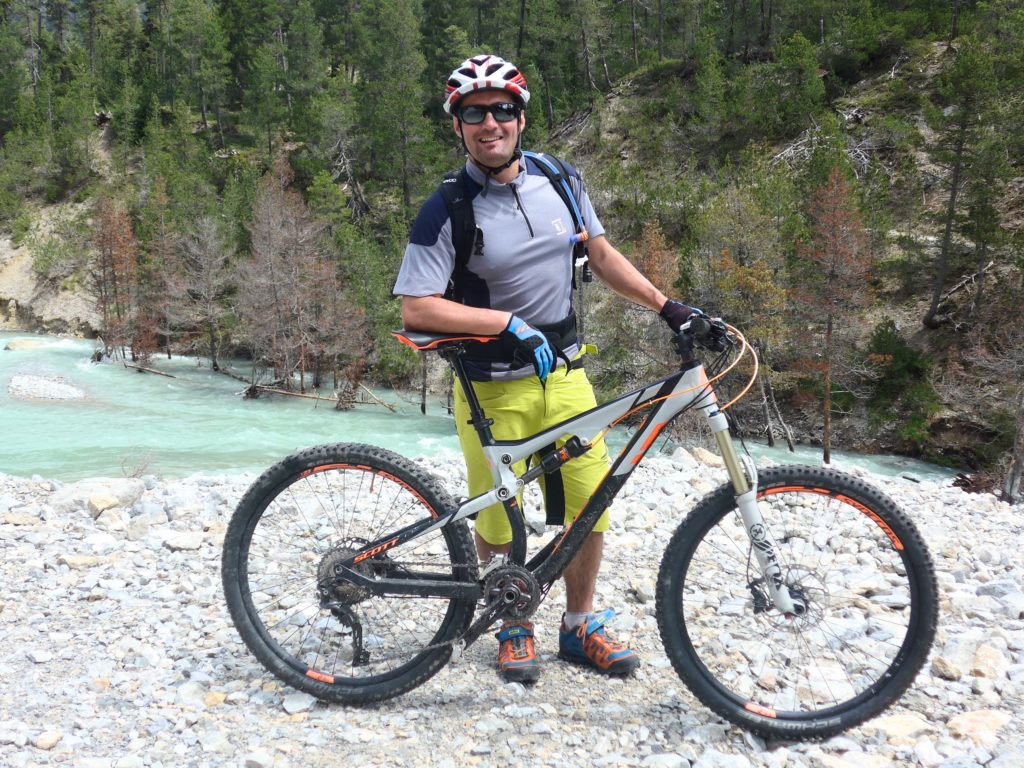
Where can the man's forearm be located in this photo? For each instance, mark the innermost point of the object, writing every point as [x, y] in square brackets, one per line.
[439, 315]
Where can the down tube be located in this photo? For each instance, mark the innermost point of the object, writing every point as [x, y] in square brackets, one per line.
[690, 387]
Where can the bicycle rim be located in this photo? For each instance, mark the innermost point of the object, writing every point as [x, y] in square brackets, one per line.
[846, 551]
[337, 640]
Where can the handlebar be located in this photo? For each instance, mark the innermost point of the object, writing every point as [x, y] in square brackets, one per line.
[709, 333]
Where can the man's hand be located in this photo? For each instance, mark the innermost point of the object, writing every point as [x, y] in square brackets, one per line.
[676, 314]
[532, 344]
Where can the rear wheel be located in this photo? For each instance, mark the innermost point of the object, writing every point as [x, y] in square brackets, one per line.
[849, 554]
[335, 639]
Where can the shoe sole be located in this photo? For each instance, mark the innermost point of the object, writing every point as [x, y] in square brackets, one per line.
[621, 670]
[521, 675]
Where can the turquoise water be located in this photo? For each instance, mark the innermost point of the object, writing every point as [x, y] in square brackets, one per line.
[130, 423]
[196, 422]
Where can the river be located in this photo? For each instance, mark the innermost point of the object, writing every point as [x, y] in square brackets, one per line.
[130, 423]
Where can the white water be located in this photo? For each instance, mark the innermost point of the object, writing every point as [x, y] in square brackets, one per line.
[131, 423]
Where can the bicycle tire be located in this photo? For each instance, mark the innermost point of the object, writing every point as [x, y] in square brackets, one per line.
[281, 545]
[866, 575]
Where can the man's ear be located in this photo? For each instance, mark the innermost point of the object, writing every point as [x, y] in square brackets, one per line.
[457, 126]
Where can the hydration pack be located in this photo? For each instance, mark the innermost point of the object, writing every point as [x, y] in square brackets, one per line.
[457, 190]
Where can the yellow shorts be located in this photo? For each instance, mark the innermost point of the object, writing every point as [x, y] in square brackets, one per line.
[520, 408]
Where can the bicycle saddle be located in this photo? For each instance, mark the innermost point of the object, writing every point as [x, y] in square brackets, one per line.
[423, 342]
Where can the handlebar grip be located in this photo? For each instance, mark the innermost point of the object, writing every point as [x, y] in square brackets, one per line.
[698, 326]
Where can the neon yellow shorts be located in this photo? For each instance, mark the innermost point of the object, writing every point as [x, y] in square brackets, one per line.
[520, 408]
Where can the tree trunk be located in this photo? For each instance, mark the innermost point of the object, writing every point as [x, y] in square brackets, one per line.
[522, 29]
[767, 412]
[1012, 485]
[786, 431]
[632, 18]
[979, 279]
[826, 436]
[954, 21]
[942, 268]
[588, 56]
[211, 329]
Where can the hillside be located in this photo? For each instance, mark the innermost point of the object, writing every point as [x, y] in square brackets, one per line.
[225, 179]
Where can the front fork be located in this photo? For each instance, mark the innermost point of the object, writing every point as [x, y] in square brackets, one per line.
[743, 475]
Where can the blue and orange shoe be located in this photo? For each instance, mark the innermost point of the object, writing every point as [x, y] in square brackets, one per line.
[517, 659]
[591, 645]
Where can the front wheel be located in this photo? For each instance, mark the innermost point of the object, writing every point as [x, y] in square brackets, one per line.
[849, 555]
[326, 636]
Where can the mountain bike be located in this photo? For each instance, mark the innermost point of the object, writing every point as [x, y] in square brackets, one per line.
[794, 601]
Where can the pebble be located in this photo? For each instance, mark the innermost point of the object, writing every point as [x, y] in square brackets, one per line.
[116, 649]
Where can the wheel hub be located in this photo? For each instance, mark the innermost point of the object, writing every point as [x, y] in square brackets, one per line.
[331, 587]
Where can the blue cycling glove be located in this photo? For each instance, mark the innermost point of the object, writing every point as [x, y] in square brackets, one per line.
[532, 344]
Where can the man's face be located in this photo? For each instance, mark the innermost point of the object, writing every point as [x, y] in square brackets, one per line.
[490, 143]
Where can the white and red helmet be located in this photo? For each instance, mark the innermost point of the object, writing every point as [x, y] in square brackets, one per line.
[482, 73]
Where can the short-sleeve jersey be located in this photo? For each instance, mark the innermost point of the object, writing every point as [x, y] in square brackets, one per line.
[522, 263]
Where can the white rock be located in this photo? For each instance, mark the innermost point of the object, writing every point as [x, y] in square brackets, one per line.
[298, 702]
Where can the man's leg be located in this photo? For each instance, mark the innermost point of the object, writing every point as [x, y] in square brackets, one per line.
[581, 575]
[484, 549]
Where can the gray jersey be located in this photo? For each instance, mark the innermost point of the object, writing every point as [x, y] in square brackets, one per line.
[523, 262]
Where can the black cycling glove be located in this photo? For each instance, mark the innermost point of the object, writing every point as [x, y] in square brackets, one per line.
[676, 313]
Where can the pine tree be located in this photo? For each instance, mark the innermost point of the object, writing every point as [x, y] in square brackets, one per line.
[831, 288]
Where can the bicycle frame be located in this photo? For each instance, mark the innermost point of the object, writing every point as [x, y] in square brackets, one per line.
[687, 388]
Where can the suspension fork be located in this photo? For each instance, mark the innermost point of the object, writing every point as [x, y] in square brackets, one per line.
[743, 475]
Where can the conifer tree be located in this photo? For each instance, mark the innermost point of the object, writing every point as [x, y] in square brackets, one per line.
[831, 288]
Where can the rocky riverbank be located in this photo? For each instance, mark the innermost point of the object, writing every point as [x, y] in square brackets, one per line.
[116, 649]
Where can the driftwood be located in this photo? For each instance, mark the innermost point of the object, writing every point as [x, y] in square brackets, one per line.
[376, 399]
[255, 390]
[145, 369]
[258, 389]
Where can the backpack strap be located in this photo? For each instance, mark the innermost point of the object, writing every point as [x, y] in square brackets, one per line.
[455, 190]
[559, 177]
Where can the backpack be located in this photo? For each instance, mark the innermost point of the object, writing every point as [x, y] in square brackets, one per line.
[455, 191]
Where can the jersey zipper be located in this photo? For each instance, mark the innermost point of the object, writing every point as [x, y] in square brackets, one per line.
[519, 205]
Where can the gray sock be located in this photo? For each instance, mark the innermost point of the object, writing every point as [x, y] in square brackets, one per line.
[573, 620]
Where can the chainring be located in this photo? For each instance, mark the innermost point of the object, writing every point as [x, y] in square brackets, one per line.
[512, 591]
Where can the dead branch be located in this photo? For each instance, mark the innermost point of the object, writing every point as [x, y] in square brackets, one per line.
[376, 399]
[969, 280]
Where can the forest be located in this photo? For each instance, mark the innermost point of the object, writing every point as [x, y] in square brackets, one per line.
[839, 178]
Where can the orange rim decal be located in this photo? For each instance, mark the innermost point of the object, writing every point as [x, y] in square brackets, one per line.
[889, 532]
[757, 709]
[409, 488]
[312, 673]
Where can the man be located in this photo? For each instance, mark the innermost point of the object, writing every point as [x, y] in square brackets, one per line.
[518, 284]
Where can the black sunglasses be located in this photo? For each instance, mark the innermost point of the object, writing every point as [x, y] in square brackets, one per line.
[504, 112]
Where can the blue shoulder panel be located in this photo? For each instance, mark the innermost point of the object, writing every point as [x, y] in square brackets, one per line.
[432, 216]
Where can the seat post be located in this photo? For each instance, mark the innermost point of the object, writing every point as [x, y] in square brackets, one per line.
[453, 356]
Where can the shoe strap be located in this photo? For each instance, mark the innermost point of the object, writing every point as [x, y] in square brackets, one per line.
[516, 631]
[596, 621]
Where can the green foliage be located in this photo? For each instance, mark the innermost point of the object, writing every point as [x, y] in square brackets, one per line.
[902, 392]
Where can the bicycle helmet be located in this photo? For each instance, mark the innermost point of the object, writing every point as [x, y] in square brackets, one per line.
[484, 72]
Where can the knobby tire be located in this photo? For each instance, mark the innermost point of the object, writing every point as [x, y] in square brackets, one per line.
[857, 560]
[282, 544]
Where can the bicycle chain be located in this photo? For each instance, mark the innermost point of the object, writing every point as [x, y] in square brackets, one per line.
[492, 615]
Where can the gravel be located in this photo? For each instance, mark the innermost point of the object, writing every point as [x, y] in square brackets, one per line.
[116, 649]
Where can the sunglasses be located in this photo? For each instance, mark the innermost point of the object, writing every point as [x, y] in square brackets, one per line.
[505, 112]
